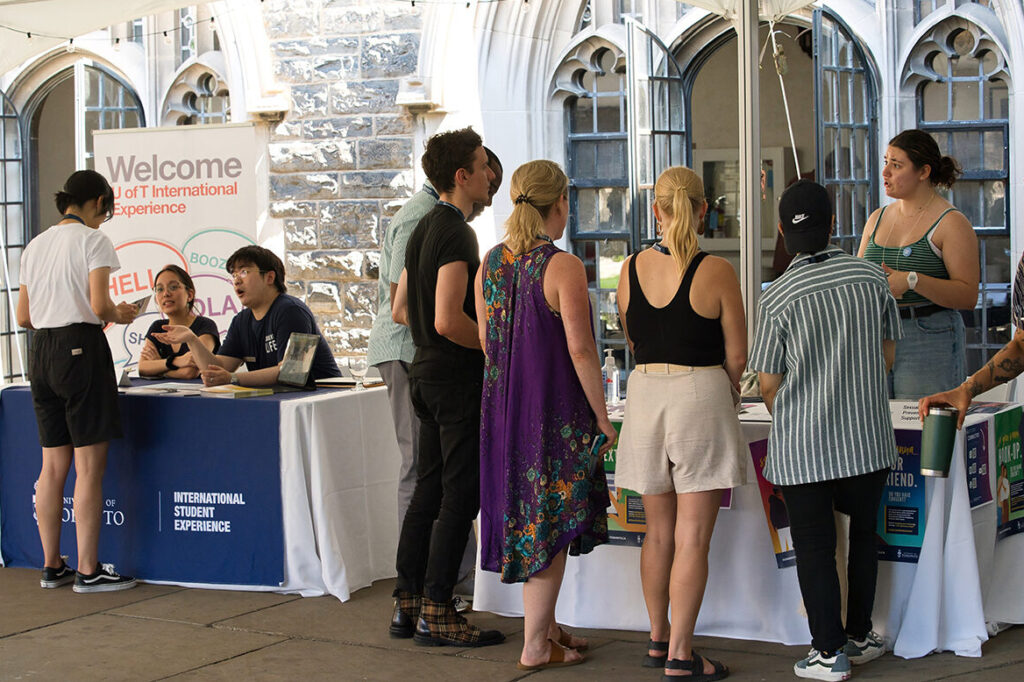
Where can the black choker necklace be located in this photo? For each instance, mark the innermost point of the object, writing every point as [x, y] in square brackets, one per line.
[661, 248]
[545, 238]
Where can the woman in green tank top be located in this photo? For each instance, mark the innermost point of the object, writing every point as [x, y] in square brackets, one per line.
[929, 252]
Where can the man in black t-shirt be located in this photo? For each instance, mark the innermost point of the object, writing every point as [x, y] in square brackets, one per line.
[259, 334]
[435, 299]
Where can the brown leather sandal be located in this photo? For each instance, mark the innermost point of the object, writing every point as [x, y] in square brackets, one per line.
[556, 659]
[565, 639]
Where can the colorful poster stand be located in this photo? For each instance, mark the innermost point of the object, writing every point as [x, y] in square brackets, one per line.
[976, 454]
[774, 508]
[901, 513]
[1009, 474]
[191, 199]
[627, 522]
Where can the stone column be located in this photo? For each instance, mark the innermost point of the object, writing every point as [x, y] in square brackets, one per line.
[341, 160]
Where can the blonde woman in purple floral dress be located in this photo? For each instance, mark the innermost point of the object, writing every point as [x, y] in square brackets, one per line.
[542, 486]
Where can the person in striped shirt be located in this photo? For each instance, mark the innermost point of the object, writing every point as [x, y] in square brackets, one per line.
[825, 341]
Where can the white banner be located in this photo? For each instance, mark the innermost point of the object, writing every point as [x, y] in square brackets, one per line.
[186, 195]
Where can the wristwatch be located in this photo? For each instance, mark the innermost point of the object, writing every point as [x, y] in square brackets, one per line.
[234, 379]
[911, 280]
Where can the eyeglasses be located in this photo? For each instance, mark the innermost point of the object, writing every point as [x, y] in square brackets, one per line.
[243, 273]
[172, 288]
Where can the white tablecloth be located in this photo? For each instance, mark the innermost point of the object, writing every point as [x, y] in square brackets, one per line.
[935, 604]
[339, 485]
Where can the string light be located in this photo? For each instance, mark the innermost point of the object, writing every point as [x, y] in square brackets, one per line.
[166, 34]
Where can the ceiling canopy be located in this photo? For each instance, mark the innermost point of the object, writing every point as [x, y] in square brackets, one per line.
[772, 10]
[28, 27]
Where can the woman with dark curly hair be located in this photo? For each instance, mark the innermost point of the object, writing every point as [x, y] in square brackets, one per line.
[929, 252]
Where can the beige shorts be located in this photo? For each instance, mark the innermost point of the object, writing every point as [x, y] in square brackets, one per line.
[680, 432]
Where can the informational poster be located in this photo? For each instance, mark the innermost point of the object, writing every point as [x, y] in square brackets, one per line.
[1009, 474]
[774, 508]
[901, 514]
[976, 442]
[188, 196]
[626, 520]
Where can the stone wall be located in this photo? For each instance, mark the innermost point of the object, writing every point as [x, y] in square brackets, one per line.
[341, 161]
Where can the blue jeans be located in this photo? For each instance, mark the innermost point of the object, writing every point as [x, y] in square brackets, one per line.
[930, 357]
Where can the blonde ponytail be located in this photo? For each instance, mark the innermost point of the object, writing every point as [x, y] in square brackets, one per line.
[679, 195]
[535, 187]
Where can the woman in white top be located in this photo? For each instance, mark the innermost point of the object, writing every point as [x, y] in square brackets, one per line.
[65, 297]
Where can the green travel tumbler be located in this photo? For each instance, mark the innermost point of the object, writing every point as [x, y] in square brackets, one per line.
[937, 441]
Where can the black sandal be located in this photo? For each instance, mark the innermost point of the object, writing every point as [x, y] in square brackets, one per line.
[655, 661]
[696, 667]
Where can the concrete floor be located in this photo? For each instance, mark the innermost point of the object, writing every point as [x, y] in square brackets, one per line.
[157, 632]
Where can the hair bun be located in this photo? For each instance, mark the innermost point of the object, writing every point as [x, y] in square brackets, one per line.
[948, 172]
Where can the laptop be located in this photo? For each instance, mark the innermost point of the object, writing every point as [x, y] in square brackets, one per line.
[297, 363]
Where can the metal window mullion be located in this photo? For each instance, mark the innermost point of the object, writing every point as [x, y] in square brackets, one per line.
[632, 127]
[983, 246]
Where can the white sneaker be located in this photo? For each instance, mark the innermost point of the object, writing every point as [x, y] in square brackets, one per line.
[817, 667]
[864, 650]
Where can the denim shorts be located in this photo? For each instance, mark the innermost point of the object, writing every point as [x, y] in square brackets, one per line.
[930, 357]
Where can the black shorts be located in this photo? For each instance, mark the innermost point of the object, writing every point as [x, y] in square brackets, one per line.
[74, 390]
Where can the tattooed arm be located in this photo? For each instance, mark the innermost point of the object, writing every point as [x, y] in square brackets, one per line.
[1005, 365]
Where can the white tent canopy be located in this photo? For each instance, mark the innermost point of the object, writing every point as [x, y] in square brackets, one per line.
[52, 22]
[771, 10]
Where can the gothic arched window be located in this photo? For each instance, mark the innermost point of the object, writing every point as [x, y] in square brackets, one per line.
[961, 82]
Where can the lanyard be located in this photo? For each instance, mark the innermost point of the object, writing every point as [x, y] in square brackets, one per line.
[72, 216]
[454, 208]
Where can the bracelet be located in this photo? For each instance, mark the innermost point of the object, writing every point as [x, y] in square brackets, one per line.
[170, 363]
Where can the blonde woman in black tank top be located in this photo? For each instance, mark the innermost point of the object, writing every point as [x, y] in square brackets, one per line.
[681, 442]
[930, 357]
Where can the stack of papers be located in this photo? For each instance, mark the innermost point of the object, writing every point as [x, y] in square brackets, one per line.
[165, 388]
[232, 391]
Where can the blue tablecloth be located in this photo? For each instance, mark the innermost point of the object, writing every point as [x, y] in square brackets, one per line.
[192, 493]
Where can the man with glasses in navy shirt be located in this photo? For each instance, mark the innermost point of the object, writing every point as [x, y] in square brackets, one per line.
[259, 334]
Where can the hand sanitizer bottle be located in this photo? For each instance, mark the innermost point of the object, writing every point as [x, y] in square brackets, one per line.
[610, 375]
